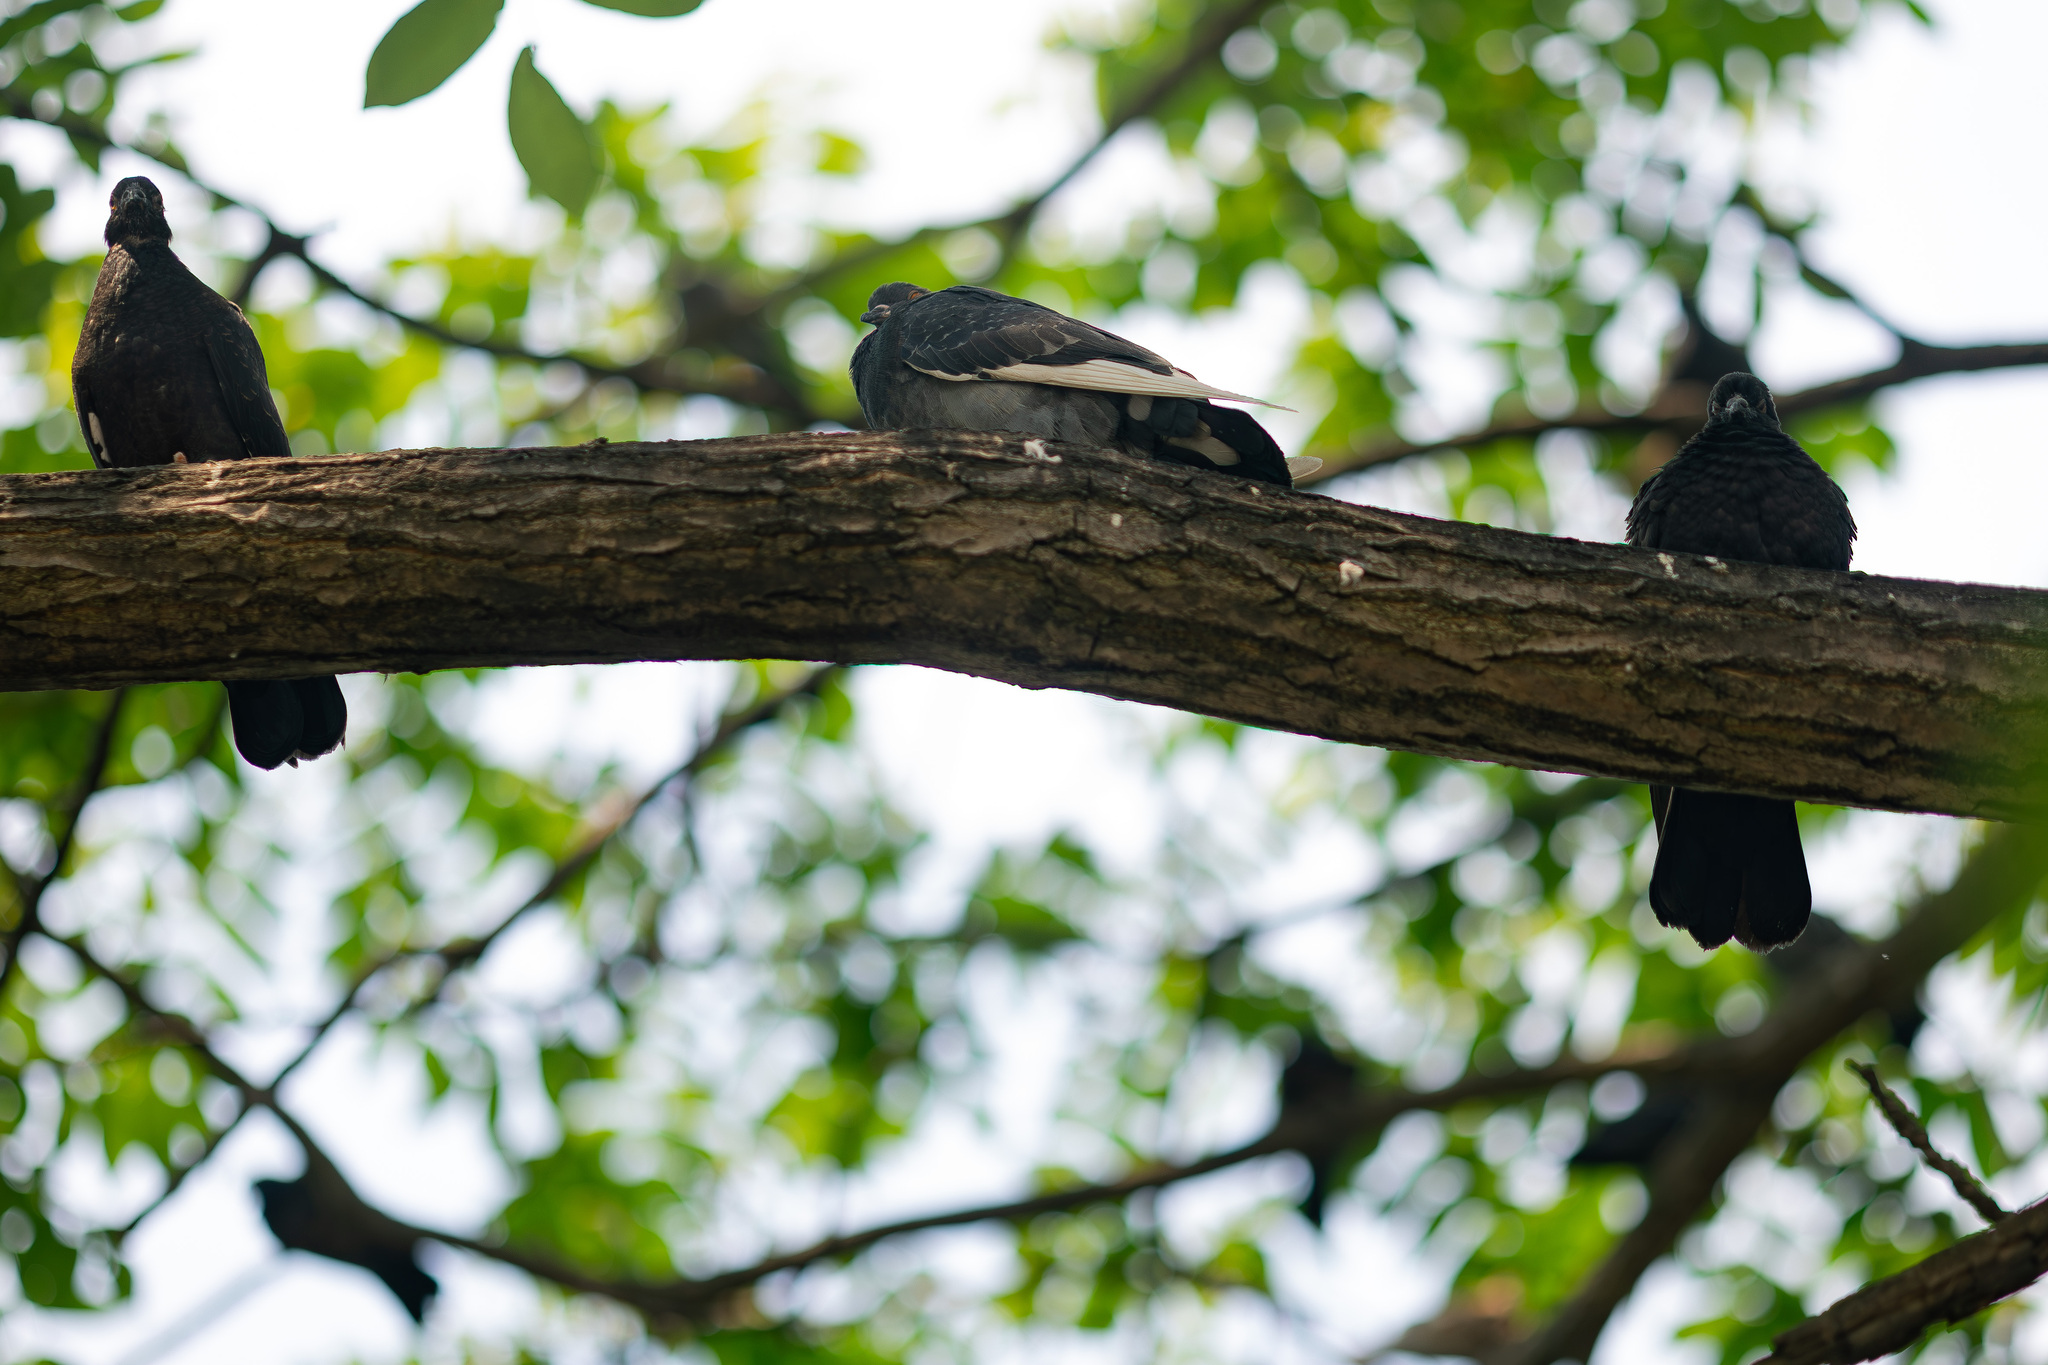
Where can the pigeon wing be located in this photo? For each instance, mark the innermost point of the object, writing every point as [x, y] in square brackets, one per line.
[245, 385]
[968, 333]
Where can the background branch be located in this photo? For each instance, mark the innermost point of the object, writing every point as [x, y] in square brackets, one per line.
[28, 886]
[1912, 1130]
[1917, 360]
[1953, 1284]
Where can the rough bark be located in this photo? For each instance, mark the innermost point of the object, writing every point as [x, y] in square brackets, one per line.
[1045, 567]
[1955, 1283]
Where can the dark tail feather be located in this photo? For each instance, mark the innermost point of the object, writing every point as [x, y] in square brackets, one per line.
[1259, 453]
[1730, 867]
[268, 720]
[277, 720]
[326, 715]
[1777, 898]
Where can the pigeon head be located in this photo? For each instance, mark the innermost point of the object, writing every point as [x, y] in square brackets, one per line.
[136, 213]
[1741, 397]
[887, 297]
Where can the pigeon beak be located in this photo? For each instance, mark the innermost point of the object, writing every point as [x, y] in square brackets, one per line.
[1737, 404]
[875, 316]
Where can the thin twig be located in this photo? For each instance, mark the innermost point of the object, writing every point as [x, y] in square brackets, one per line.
[1912, 1130]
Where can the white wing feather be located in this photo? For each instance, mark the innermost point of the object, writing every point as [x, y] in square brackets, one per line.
[1109, 376]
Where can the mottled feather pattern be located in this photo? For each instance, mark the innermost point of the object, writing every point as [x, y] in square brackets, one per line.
[1728, 865]
[969, 358]
[1749, 492]
[182, 360]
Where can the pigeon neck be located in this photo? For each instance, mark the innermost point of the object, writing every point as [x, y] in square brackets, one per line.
[1743, 423]
[141, 244]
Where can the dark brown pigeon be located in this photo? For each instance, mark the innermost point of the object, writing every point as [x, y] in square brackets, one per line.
[322, 1214]
[968, 358]
[1730, 866]
[168, 372]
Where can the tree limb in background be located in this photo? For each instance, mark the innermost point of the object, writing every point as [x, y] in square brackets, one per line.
[1953, 1284]
[656, 374]
[1918, 360]
[1681, 1183]
[1042, 566]
[459, 953]
[28, 887]
[652, 375]
[754, 387]
[1912, 1130]
[2000, 875]
[1744, 1075]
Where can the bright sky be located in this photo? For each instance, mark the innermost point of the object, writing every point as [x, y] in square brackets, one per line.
[1931, 207]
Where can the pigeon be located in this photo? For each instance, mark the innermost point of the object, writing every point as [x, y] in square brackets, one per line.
[1731, 866]
[168, 372]
[321, 1214]
[968, 358]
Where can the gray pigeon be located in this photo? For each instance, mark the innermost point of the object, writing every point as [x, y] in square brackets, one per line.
[972, 359]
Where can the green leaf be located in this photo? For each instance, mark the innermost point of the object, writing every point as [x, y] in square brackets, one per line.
[651, 9]
[425, 47]
[552, 144]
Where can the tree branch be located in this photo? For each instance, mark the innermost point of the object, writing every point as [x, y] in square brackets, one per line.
[1917, 360]
[1912, 1130]
[29, 887]
[1681, 1183]
[2002, 874]
[1745, 1074]
[1044, 567]
[1953, 1284]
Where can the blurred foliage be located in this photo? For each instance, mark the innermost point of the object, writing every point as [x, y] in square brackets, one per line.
[761, 996]
[431, 41]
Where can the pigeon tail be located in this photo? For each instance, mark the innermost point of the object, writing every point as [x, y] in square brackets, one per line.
[1729, 867]
[326, 715]
[282, 720]
[1204, 436]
